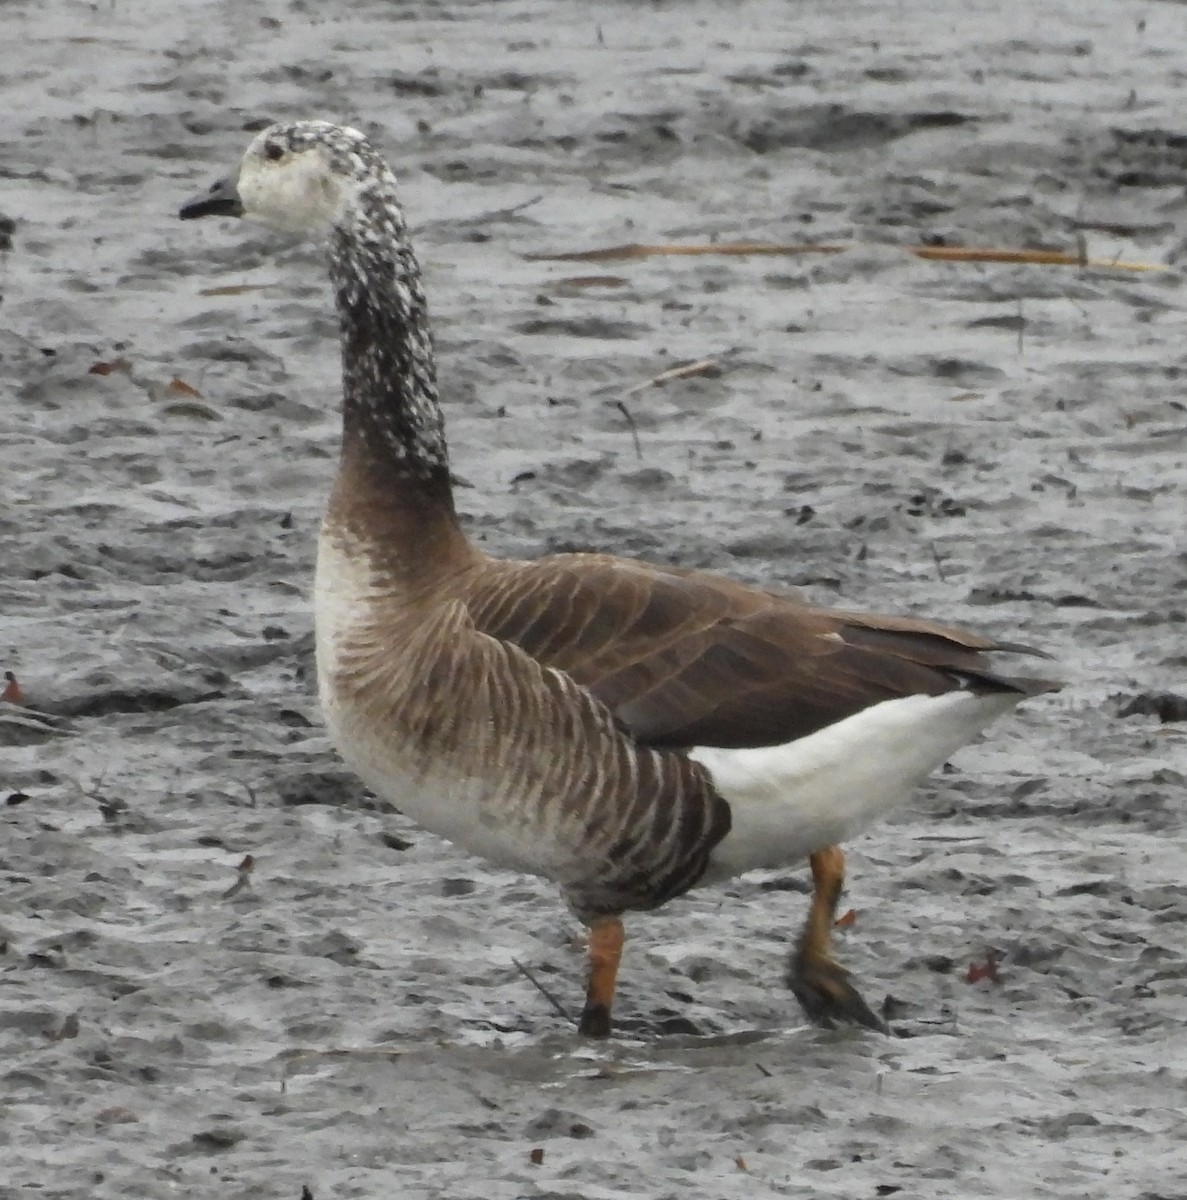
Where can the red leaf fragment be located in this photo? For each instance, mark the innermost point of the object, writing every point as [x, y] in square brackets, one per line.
[180, 388]
[846, 919]
[115, 1115]
[985, 970]
[109, 368]
[13, 692]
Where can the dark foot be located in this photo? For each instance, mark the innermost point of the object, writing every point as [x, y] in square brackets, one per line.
[825, 994]
[595, 1021]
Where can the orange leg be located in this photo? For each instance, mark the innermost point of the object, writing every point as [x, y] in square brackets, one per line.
[819, 982]
[605, 951]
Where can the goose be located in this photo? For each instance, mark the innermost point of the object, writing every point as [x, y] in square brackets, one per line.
[626, 729]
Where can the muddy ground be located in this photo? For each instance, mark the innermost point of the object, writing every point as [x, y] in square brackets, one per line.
[1001, 446]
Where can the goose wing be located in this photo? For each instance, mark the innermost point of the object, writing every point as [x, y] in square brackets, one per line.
[685, 658]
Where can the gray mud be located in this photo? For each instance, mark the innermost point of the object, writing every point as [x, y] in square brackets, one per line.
[1001, 446]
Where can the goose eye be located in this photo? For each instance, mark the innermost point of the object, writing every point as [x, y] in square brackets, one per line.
[273, 152]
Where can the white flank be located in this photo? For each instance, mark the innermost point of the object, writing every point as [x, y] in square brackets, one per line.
[791, 800]
[344, 589]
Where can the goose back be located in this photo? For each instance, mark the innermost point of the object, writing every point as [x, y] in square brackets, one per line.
[683, 658]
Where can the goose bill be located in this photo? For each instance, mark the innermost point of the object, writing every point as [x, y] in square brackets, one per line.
[221, 199]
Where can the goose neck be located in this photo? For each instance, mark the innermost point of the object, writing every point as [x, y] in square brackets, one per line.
[392, 423]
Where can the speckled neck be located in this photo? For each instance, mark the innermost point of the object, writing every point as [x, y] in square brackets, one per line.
[392, 426]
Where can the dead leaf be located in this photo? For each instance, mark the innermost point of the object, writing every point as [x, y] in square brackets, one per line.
[592, 281]
[233, 289]
[242, 878]
[188, 408]
[110, 368]
[116, 1115]
[845, 920]
[536, 1157]
[181, 388]
[69, 1029]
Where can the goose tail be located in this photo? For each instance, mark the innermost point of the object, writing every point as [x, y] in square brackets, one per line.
[789, 801]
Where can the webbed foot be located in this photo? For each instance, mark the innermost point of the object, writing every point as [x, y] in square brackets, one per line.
[823, 988]
[820, 983]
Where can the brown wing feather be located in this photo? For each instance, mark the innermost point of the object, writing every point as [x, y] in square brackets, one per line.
[683, 658]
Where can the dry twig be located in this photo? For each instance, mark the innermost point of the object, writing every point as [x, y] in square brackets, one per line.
[702, 366]
[985, 254]
[630, 420]
[557, 1007]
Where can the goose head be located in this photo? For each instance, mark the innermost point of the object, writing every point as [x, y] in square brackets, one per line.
[300, 177]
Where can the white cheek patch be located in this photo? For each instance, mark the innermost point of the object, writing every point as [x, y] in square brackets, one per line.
[295, 195]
